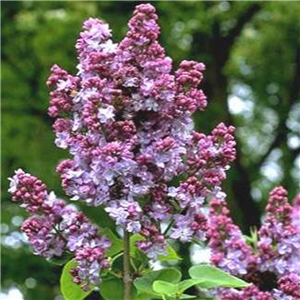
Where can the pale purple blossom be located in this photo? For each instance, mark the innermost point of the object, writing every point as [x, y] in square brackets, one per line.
[272, 265]
[56, 228]
[106, 114]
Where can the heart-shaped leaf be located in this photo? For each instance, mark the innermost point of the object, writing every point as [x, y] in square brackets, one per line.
[144, 284]
[186, 284]
[112, 289]
[213, 277]
[165, 288]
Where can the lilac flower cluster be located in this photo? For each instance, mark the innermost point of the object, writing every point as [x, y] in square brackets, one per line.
[288, 288]
[207, 158]
[279, 243]
[229, 250]
[55, 228]
[273, 265]
[127, 122]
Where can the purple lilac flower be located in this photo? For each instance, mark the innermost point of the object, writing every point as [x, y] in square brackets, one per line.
[273, 265]
[42, 237]
[56, 228]
[126, 213]
[29, 191]
[91, 260]
[279, 241]
[126, 119]
[229, 249]
[250, 293]
[288, 289]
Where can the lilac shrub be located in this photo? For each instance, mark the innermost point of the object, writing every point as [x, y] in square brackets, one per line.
[126, 121]
[273, 265]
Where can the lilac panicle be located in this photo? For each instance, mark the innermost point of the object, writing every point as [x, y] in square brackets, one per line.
[207, 158]
[55, 228]
[126, 120]
[279, 241]
[288, 288]
[229, 249]
[273, 265]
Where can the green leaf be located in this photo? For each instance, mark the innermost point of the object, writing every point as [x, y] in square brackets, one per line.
[69, 289]
[112, 289]
[61, 260]
[97, 215]
[116, 243]
[171, 255]
[186, 284]
[213, 277]
[144, 284]
[165, 288]
[135, 238]
[135, 252]
[186, 296]
[170, 289]
[143, 296]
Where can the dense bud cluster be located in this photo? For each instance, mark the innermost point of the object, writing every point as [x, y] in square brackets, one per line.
[127, 122]
[56, 228]
[229, 250]
[274, 266]
[279, 243]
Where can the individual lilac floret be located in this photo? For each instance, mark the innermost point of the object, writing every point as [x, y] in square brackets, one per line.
[127, 214]
[57, 228]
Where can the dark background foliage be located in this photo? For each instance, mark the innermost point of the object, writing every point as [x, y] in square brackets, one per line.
[252, 54]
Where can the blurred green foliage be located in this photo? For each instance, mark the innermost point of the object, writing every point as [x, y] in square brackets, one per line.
[252, 54]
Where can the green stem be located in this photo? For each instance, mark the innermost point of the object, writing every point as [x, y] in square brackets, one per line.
[59, 233]
[127, 280]
[168, 228]
[114, 274]
[116, 257]
[180, 211]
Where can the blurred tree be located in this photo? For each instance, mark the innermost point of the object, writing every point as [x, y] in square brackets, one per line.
[251, 50]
